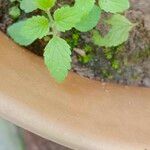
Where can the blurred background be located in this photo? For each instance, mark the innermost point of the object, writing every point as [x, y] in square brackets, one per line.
[15, 138]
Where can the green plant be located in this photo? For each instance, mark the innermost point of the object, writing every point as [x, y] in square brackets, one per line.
[113, 56]
[73, 39]
[83, 16]
[118, 33]
[88, 54]
[14, 11]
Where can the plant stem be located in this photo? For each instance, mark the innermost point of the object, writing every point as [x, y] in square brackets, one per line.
[49, 16]
[55, 32]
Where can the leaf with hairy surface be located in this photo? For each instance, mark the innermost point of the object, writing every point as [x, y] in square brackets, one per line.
[114, 6]
[119, 32]
[57, 58]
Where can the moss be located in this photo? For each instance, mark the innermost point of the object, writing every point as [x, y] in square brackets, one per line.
[106, 74]
[140, 55]
[88, 54]
[73, 39]
[113, 56]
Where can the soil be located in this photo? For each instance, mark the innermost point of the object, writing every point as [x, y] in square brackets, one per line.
[133, 58]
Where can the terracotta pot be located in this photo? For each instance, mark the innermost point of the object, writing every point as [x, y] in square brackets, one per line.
[80, 113]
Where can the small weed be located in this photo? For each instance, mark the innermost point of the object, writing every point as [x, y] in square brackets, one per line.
[55, 21]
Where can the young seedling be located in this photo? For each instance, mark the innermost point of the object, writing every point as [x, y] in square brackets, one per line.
[83, 16]
[14, 11]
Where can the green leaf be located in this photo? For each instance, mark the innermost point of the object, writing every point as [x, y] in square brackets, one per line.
[89, 21]
[16, 34]
[96, 38]
[28, 5]
[45, 4]
[66, 18]
[26, 32]
[57, 58]
[84, 7]
[14, 12]
[114, 6]
[119, 32]
[36, 27]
